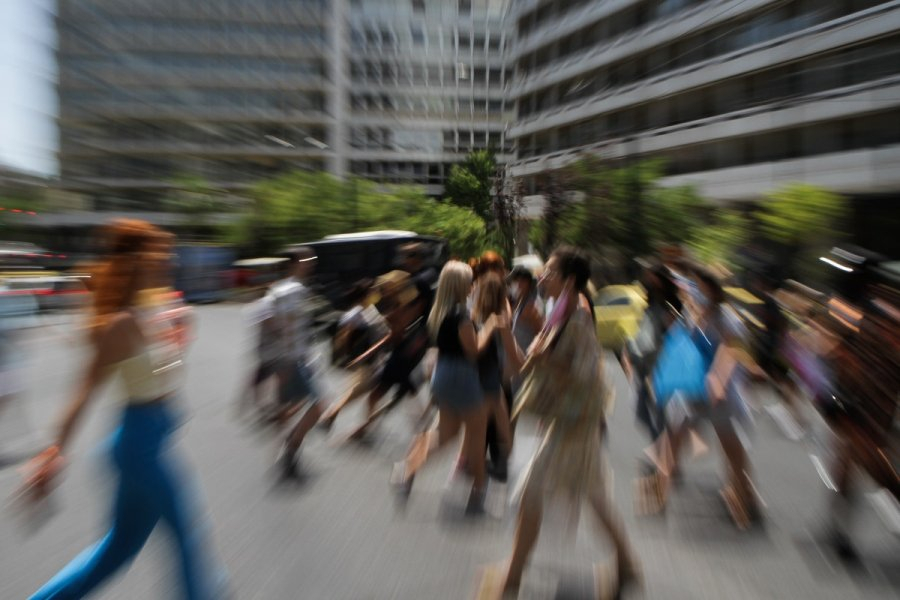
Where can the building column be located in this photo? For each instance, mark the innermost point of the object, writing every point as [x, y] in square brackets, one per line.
[338, 99]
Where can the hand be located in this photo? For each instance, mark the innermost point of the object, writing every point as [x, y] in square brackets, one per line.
[40, 472]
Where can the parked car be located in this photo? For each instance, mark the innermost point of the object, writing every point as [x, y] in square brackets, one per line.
[618, 310]
[52, 293]
[18, 309]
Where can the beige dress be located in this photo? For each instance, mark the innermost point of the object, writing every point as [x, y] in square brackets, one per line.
[567, 389]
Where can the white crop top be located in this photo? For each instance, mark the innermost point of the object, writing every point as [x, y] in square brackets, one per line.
[145, 379]
[156, 371]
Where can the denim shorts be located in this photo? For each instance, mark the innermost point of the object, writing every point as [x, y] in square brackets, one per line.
[300, 385]
[455, 385]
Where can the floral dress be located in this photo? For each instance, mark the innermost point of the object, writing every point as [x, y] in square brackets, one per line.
[568, 390]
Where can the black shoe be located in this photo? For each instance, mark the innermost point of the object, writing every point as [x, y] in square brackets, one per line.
[844, 548]
[498, 471]
[287, 463]
[402, 485]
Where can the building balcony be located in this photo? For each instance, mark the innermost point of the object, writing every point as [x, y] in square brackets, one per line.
[464, 120]
[417, 155]
[855, 28]
[105, 110]
[653, 35]
[194, 78]
[211, 150]
[493, 92]
[822, 107]
[856, 172]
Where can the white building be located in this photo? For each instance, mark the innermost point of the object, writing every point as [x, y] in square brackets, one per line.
[740, 96]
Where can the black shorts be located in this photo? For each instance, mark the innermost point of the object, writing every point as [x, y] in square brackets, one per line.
[402, 361]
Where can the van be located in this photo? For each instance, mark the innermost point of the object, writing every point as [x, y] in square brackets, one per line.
[344, 260]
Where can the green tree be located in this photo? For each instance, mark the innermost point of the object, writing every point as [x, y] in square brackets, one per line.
[673, 214]
[303, 206]
[470, 183]
[804, 221]
[718, 239]
[507, 209]
[464, 230]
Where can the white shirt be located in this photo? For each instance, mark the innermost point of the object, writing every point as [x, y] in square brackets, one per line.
[291, 306]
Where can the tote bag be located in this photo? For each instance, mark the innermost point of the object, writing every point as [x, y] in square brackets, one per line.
[681, 368]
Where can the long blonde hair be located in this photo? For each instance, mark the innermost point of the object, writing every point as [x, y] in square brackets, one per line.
[453, 288]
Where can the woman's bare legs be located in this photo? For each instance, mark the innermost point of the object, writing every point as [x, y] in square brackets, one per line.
[427, 444]
[362, 385]
[528, 526]
[739, 475]
[475, 422]
[612, 524]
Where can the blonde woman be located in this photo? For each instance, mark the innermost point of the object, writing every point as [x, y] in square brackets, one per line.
[455, 386]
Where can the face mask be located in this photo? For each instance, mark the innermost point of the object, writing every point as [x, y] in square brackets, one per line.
[514, 291]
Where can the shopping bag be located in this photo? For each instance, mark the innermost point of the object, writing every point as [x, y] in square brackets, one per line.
[681, 368]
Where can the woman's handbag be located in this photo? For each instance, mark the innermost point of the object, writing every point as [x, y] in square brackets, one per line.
[680, 368]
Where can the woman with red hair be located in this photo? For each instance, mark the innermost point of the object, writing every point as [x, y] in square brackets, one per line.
[145, 353]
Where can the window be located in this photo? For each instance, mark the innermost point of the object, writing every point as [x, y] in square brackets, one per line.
[418, 35]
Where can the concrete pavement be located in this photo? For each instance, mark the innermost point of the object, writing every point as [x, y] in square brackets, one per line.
[338, 534]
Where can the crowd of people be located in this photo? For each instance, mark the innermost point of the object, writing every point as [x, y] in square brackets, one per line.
[488, 344]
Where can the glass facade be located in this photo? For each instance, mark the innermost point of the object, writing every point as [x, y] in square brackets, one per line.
[233, 90]
[428, 85]
[706, 85]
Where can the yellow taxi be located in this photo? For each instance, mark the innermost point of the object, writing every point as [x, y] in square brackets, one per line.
[618, 310]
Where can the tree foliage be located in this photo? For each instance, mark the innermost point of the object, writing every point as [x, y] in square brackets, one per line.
[804, 220]
[470, 182]
[303, 206]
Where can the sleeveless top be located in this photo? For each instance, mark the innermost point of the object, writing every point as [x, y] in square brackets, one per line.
[156, 370]
[448, 343]
[522, 332]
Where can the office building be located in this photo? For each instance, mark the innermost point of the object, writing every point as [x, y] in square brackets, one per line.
[235, 91]
[739, 96]
[426, 86]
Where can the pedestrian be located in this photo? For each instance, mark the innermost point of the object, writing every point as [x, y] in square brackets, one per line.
[424, 276]
[716, 364]
[528, 318]
[260, 315]
[138, 348]
[455, 386]
[565, 385]
[771, 354]
[292, 304]
[359, 329]
[492, 303]
[640, 353]
[407, 342]
[527, 322]
[864, 355]
[491, 263]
